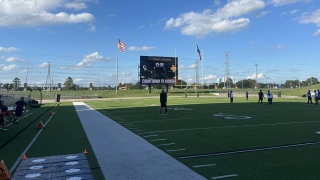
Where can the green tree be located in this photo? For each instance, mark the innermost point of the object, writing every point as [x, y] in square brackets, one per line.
[16, 84]
[68, 84]
[311, 81]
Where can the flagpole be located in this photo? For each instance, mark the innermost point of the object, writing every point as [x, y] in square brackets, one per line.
[202, 68]
[175, 65]
[117, 71]
[195, 55]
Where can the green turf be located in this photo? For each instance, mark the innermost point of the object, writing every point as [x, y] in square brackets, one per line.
[287, 121]
[63, 134]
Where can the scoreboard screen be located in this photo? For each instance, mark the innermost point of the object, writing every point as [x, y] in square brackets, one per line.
[158, 70]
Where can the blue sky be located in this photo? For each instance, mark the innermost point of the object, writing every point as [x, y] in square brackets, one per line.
[79, 39]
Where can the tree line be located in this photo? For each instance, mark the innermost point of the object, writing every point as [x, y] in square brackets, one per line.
[245, 84]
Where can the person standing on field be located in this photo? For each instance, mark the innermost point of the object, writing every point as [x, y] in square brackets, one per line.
[163, 102]
[18, 107]
[261, 97]
[270, 97]
[247, 95]
[231, 97]
[309, 97]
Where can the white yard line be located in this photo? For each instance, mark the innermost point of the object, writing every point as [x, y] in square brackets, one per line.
[225, 176]
[204, 165]
[166, 144]
[225, 127]
[250, 150]
[158, 140]
[152, 135]
[173, 150]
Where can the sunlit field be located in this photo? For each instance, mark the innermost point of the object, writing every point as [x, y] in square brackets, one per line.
[258, 142]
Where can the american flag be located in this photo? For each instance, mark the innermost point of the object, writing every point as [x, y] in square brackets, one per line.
[121, 46]
[199, 52]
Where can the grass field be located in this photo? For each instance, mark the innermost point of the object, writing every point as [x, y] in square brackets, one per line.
[277, 142]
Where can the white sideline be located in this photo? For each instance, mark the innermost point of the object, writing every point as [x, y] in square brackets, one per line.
[14, 166]
[122, 154]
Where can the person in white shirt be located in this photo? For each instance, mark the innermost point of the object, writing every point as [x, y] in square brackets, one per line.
[270, 97]
[315, 96]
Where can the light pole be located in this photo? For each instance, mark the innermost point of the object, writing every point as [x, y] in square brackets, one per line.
[27, 75]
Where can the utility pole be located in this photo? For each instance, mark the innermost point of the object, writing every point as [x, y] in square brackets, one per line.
[27, 74]
[256, 75]
[48, 81]
[227, 73]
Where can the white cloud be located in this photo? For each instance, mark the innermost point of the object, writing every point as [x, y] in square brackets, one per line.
[259, 76]
[92, 28]
[313, 18]
[285, 2]
[43, 65]
[77, 80]
[37, 13]
[76, 5]
[157, 22]
[12, 59]
[141, 26]
[2, 49]
[262, 13]
[317, 33]
[224, 19]
[143, 48]
[294, 11]
[11, 67]
[210, 77]
[278, 47]
[90, 58]
[252, 42]
[112, 15]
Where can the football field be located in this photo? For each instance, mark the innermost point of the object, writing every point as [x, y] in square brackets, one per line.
[220, 140]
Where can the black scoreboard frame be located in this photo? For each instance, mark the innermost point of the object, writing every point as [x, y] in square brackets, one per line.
[158, 70]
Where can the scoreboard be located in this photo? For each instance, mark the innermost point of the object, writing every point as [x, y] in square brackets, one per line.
[158, 70]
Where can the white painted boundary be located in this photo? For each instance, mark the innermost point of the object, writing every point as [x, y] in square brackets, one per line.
[152, 135]
[166, 144]
[19, 119]
[158, 140]
[225, 127]
[249, 150]
[204, 165]
[173, 150]
[27, 148]
[225, 176]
